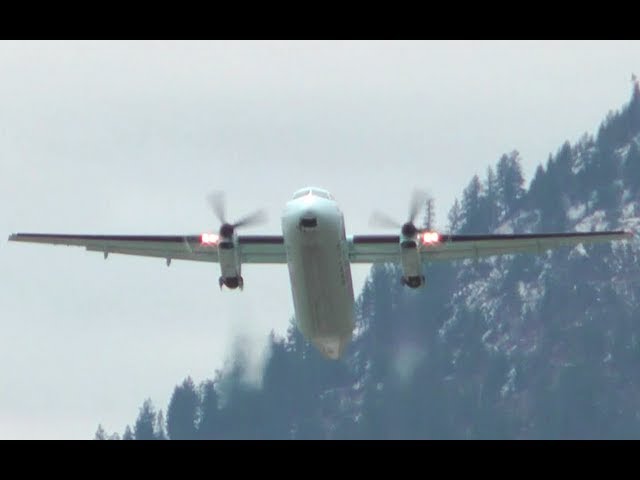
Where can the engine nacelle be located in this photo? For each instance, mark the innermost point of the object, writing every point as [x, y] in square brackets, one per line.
[231, 282]
[411, 264]
[230, 265]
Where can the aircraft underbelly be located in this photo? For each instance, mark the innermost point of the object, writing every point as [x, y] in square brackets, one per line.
[321, 284]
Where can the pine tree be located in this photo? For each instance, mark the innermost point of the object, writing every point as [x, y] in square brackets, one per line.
[100, 433]
[601, 175]
[145, 423]
[472, 214]
[510, 182]
[280, 385]
[550, 189]
[128, 434]
[209, 425]
[632, 169]
[537, 187]
[455, 217]
[159, 430]
[634, 111]
[429, 221]
[490, 207]
[182, 411]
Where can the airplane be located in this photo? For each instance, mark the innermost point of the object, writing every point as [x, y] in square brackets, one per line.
[319, 254]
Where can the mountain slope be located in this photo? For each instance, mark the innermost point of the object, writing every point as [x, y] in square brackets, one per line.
[518, 346]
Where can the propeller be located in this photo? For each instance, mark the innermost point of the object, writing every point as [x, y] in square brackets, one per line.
[217, 203]
[408, 228]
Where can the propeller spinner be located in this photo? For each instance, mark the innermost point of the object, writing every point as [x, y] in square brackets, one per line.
[217, 203]
[408, 228]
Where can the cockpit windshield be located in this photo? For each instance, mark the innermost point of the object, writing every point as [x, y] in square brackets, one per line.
[313, 191]
[321, 193]
[301, 193]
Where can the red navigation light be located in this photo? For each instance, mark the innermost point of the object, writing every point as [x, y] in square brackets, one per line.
[429, 238]
[209, 238]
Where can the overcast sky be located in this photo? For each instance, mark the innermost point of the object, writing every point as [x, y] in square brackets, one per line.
[130, 137]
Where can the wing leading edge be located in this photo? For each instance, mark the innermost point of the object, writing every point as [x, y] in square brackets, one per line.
[362, 248]
[386, 248]
[253, 248]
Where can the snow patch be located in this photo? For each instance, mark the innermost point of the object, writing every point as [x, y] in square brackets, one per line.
[576, 212]
[358, 330]
[632, 224]
[510, 386]
[630, 221]
[623, 151]
[530, 293]
[578, 251]
[486, 335]
[594, 222]
[506, 228]
[629, 210]
[582, 153]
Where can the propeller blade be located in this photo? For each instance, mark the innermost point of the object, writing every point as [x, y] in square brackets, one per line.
[379, 219]
[418, 199]
[216, 201]
[254, 218]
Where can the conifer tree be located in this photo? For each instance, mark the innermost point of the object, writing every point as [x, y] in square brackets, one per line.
[100, 433]
[510, 182]
[429, 221]
[182, 411]
[128, 434]
[145, 423]
[159, 430]
[209, 425]
[490, 200]
[455, 217]
[537, 187]
[472, 214]
[632, 168]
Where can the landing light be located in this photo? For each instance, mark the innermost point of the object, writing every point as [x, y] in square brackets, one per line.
[430, 237]
[209, 238]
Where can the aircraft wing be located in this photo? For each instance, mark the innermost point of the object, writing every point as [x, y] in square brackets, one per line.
[386, 248]
[252, 248]
[362, 248]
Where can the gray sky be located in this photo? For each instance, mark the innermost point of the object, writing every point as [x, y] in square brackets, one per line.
[130, 137]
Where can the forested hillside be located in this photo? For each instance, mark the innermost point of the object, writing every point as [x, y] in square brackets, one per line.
[519, 346]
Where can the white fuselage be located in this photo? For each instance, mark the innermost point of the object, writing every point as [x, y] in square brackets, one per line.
[319, 270]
